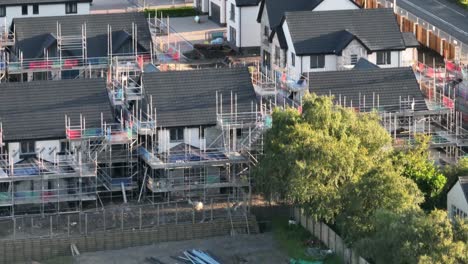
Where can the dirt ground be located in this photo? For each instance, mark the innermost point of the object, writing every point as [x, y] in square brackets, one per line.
[261, 248]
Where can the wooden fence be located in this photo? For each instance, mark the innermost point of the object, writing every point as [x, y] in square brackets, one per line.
[37, 249]
[329, 238]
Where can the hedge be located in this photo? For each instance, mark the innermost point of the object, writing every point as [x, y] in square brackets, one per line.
[183, 11]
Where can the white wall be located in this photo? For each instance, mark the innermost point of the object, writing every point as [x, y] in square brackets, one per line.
[46, 146]
[335, 5]
[409, 57]
[456, 197]
[353, 48]
[13, 151]
[250, 29]
[49, 148]
[191, 137]
[44, 10]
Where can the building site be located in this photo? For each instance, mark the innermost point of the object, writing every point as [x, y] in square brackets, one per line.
[115, 125]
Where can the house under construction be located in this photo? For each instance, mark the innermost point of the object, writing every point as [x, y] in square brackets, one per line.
[66, 47]
[46, 166]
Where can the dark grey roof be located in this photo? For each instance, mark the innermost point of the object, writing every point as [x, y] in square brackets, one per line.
[331, 43]
[410, 40]
[277, 8]
[377, 29]
[36, 110]
[241, 3]
[443, 14]
[23, 2]
[188, 98]
[464, 185]
[364, 64]
[31, 32]
[386, 84]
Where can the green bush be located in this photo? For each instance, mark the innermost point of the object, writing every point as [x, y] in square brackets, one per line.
[184, 11]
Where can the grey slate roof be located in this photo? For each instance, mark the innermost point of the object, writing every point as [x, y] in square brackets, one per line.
[32, 32]
[364, 64]
[36, 110]
[464, 185]
[377, 29]
[241, 3]
[188, 98]
[388, 83]
[277, 8]
[443, 14]
[410, 40]
[23, 2]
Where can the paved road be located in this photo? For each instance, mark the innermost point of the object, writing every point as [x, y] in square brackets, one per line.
[442, 14]
[104, 5]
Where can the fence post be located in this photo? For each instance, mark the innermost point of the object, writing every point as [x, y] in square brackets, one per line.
[14, 228]
[86, 224]
[121, 219]
[158, 214]
[68, 225]
[51, 227]
[140, 219]
[211, 209]
[176, 213]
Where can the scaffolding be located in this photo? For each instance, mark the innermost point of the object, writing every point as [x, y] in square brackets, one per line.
[210, 161]
[169, 46]
[48, 181]
[71, 57]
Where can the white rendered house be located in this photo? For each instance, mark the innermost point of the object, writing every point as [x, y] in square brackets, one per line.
[10, 9]
[457, 199]
[243, 32]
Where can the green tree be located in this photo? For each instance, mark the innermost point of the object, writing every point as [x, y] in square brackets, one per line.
[412, 237]
[416, 165]
[381, 188]
[310, 156]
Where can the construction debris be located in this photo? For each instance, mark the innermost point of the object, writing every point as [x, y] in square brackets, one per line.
[195, 256]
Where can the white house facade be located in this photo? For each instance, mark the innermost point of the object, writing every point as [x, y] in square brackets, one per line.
[270, 48]
[457, 199]
[339, 43]
[243, 33]
[10, 9]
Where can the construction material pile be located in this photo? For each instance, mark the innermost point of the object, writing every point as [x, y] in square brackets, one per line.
[197, 257]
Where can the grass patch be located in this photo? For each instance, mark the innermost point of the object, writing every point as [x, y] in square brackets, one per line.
[182, 11]
[293, 240]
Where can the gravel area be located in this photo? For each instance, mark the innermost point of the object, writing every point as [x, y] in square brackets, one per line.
[260, 248]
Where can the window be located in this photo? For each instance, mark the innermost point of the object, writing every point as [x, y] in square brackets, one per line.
[27, 147]
[177, 134]
[36, 9]
[277, 55]
[71, 8]
[354, 59]
[266, 31]
[293, 59]
[232, 34]
[384, 58]
[24, 9]
[266, 59]
[64, 147]
[317, 61]
[233, 13]
[2, 11]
